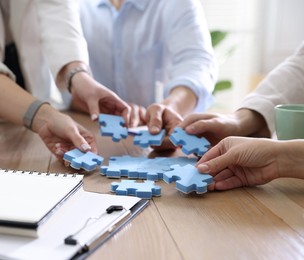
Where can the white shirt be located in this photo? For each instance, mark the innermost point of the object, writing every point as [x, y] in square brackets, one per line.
[147, 42]
[283, 85]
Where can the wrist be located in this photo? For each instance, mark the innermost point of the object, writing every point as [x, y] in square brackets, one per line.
[68, 72]
[31, 113]
[181, 99]
[291, 158]
[42, 117]
[251, 123]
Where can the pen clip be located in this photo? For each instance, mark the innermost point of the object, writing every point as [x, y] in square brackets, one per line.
[70, 240]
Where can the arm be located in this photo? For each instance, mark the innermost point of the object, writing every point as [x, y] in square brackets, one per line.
[255, 117]
[189, 45]
[58, 131]
[283, 85]
[193, 71]
[66, 50]
[239, 161]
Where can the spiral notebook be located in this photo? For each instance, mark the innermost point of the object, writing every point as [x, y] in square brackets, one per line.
[29, 199]
[56, 204]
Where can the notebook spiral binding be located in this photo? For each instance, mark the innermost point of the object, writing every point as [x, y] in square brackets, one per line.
[56, 174]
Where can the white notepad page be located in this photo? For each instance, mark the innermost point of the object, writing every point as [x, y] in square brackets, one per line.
[27, 197]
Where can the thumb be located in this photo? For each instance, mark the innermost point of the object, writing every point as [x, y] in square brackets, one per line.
[154, 119]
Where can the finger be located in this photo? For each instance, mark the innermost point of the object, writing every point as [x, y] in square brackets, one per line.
[134, 116]
[142, 114]
[154, 118]
[223, 175]
[227, 184]
[211, 154]
[89, 138]
[79, 141]
[126, 114]
[93, 109]
[215, 165]
[195, 117]
[202, 126]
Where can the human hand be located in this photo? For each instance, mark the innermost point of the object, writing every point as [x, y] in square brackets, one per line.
[215, 126]
[162, 117]
[60, 133]
[91, 97]
[138, 115]
[239, 161]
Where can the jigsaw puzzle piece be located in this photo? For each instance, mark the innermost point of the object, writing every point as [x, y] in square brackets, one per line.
[122, 166]
[188, 179]
[80, 160]
[144, 138]
[112, 125]
[189, 143]
[144, 190]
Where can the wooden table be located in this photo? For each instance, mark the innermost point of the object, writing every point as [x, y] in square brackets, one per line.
[265, 222]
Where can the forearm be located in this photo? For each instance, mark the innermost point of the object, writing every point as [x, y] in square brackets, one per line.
[251, 124]
[181, 99]
[15, 101]
[291, 158]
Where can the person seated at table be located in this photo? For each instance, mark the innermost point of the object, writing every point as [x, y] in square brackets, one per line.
[137, 48]
[50, 48]
[236, 162]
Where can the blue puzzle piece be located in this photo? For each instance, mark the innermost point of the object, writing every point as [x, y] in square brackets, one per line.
[190, 143]
[188, 179]
[78, 159]
[111, 125]
[144, 190]
[122, 166]
[142, 167]
[145, 138]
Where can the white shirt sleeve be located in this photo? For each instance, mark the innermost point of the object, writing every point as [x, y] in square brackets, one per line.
[284, 85]
[61, 33]
[189, 43]
[3, 68]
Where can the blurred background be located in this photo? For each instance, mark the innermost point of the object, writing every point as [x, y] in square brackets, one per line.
[260, 35]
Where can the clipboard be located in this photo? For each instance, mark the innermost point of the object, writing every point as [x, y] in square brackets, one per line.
[103, 238]
[70, 218]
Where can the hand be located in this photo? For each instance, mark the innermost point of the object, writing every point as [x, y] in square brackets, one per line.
[138, 115]
[162, 117]
[91, 97]
[215, 127]
[240, 161]
[60, 133]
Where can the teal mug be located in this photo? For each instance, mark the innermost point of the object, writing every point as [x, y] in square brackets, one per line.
[289, 121]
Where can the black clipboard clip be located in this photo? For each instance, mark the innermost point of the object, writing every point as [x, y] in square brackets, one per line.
[71, 240]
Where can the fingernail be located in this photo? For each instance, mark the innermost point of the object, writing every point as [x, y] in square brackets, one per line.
[94, 117]
[154, 129]
[85, 147]
[203, 168]
[59, 152]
